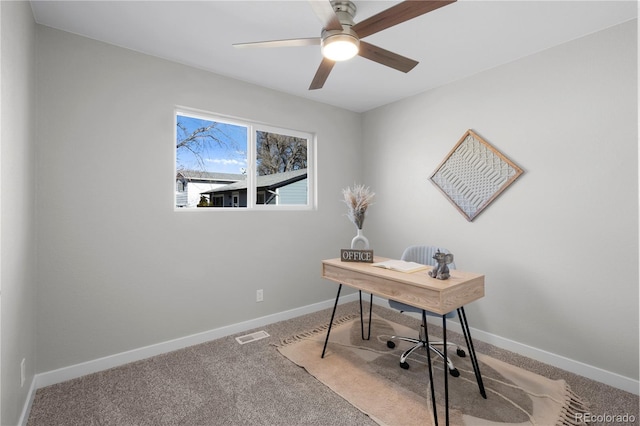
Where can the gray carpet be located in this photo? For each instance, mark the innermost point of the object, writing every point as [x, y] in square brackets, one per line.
[224, 383]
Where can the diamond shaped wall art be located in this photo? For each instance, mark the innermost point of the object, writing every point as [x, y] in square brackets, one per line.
[473, 174]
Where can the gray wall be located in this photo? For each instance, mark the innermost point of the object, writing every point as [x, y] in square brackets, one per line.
[17, 240]
[560, 247]
[119, 269]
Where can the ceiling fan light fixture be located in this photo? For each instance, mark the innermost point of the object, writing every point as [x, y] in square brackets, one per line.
[340, 46]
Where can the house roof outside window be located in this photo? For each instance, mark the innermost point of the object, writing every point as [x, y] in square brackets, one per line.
[264, 182]
[209, 177]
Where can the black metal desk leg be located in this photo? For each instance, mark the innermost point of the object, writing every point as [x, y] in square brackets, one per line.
[361, 320]
[333, 314]
[445, 370]
[472, 351]
[433, 391]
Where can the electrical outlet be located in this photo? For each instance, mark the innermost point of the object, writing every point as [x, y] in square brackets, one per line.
[22, 372]
[259, 296]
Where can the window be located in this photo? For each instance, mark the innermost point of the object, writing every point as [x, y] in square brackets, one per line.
[230, 163]
[218, 200]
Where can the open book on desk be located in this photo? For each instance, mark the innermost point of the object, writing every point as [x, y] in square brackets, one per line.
[401, 265]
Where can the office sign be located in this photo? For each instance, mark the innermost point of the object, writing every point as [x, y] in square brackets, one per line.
[351, 255]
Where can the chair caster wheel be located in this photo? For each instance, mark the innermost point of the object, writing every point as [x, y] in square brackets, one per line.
[461, 353]
[454, 372]
[390, 344]
[405, 366]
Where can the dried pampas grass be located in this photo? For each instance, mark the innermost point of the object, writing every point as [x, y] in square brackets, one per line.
[357, 198]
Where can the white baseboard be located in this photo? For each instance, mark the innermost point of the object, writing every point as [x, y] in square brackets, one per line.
[78, 370]
[594, 373]
[74, 371]
[24, 416]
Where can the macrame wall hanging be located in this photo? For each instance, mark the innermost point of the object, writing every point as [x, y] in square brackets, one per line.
[473, 174]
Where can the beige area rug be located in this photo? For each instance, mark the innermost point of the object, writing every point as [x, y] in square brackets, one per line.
[368, 375]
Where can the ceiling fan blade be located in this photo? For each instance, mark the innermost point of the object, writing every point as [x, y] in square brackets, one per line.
[385, 57]
[321, 75]
[326, 14]
[396, 15]
[293, 42]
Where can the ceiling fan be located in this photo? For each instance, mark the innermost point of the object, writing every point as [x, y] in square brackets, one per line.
[341, 38]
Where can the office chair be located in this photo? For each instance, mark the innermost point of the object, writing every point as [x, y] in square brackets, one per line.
[424, 255]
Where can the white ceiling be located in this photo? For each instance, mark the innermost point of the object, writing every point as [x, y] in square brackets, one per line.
[450, 43]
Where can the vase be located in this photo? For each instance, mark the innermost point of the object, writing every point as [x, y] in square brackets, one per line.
[359, 238]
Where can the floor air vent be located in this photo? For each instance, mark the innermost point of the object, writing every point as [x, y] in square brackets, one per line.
[252, 337]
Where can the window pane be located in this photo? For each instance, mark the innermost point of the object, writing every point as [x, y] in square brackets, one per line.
[211, 163]
[232, 163]
[281, 169]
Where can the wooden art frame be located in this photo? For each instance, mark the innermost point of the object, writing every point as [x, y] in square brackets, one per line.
[473, 174]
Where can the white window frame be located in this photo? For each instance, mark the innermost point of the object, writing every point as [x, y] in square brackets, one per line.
[252, 128]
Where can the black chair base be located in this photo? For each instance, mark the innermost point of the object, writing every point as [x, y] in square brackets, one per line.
[420, 343]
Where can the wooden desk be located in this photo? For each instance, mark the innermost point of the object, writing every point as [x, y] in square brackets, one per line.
[416, 289]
